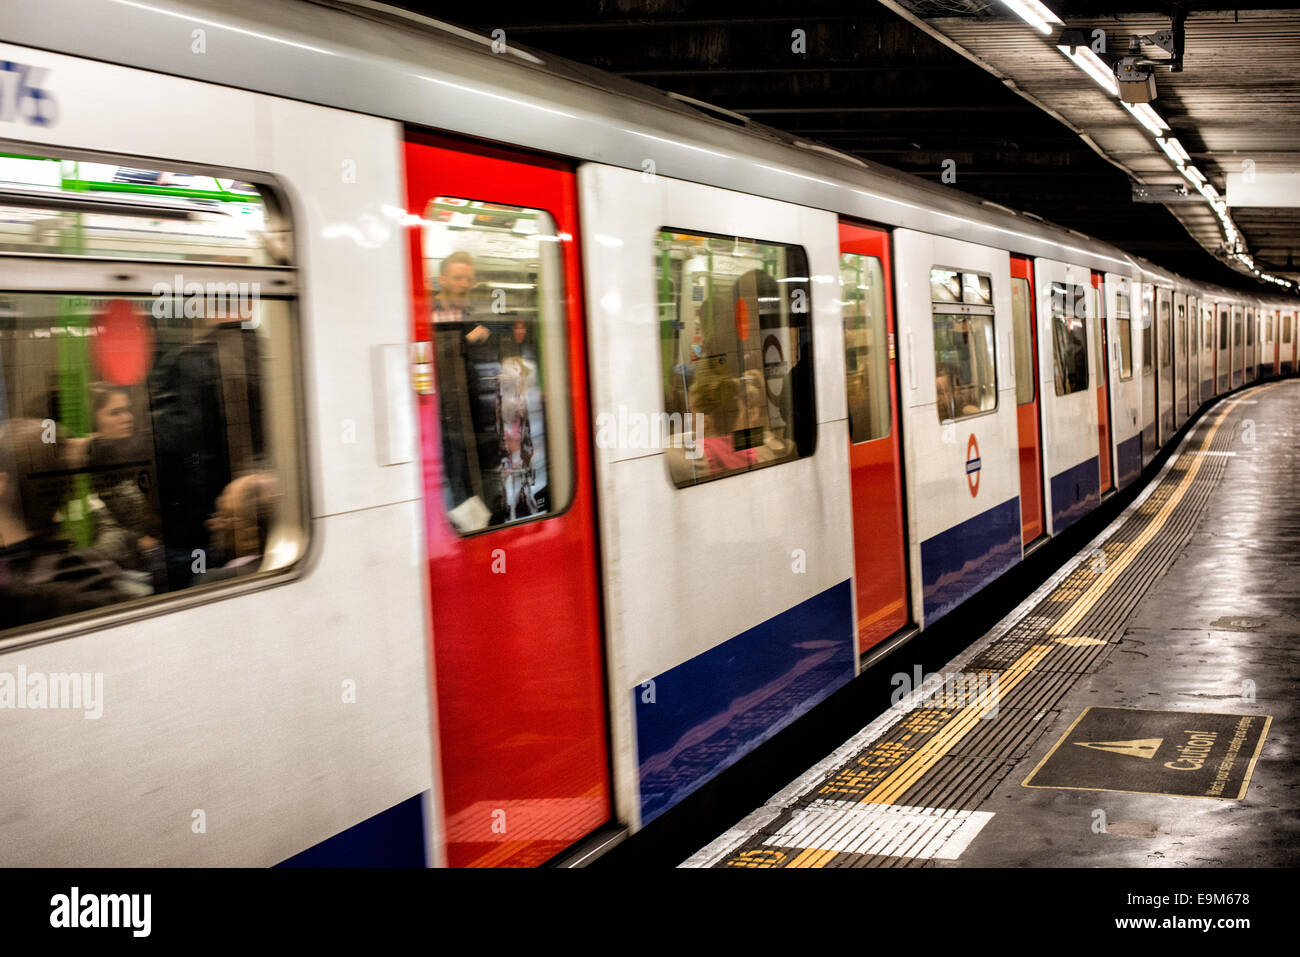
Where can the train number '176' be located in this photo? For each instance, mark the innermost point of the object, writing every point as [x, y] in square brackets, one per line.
[23, 98]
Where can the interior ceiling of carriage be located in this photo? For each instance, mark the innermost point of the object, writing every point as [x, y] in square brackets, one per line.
[913, 83]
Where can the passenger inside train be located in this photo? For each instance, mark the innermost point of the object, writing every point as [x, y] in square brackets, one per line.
[492, 303]
[43, 574]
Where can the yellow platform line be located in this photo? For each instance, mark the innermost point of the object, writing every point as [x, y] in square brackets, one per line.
[910, 771]
[1094, 592]
[907, 774]
[812, 857]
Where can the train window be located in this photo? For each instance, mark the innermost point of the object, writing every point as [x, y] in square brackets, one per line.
[866, 349]
[965, 371]
[1250, 327]
[1022, 330]
[1069, 337]
[735, 326]
[495, 277]
[149, 411]
[1166, 351]
[1147, 343]
[1124, 332]
[1236, 329]
[1286, 329]
[945, 285]
[976, 289]
[1099, 332]
[1207, 337]
[1223, 328]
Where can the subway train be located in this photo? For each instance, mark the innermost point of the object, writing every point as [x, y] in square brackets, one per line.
[419, 449]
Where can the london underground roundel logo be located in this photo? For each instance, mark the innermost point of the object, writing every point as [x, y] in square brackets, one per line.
[973, 465]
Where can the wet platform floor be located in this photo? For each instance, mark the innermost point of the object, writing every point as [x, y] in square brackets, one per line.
[1137, 710]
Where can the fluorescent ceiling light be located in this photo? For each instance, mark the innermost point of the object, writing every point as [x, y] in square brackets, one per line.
[1194, 174]
[1034, 14]
[1175, 149]
[1148, 117]
[1094, 66]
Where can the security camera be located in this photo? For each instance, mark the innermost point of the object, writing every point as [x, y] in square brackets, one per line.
[1137, 79]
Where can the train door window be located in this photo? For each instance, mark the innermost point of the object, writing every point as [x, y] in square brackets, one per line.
[1166, 349]
[965, 371]
[1022, 330]
[1236, 331]
[736, 350]
[1069, 337]
[1286, 329]
[1099, 343]
[149, 438]
[1223, 328]
[1124, 332]
[866, 349]
[498, 328]
[1250, 329]
[1147, 344]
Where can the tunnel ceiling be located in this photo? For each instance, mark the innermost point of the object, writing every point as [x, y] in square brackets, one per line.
[899, 84]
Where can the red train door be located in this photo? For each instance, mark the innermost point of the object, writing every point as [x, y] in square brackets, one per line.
[513, 579]
[1103, 384]
[1026, 358]
[880, 562]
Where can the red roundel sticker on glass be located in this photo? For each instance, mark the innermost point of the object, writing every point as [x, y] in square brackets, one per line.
[973, 465]
[123, 345]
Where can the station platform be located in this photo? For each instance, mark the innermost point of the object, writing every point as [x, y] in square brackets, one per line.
[1137, 710]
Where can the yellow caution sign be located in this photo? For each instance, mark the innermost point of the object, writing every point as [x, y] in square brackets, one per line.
[1141, 748]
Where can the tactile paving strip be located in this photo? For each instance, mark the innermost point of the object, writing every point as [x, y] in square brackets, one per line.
[913, 794]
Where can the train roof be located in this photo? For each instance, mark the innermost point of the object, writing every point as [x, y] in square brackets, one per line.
[422, 72]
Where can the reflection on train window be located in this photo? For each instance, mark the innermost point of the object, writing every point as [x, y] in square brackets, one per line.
[1098, 332]
[1147, 344]
[1166, 352]
[866, 349]
[148, 416]
[950, 285]
[1023, 335]
[1069, 337]
[497, 311]
[1124, 332]
[736, 357]
[965, 371]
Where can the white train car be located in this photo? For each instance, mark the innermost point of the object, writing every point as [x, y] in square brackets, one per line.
[573, 444]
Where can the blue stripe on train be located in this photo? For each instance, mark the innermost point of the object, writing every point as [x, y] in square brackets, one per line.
[702, 716]
[392, 838]
[1075, 492]
[961, 560]
[1128, 459]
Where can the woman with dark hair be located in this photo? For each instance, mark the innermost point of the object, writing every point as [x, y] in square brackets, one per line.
[126, 531]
